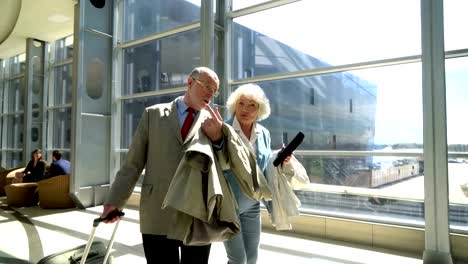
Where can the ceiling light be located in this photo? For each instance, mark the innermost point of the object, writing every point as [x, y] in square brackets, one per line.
[58, 18]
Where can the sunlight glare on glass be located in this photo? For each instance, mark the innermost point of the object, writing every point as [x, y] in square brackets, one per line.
[357, 31]
[239, 4]
[195, 2]
[455, 21]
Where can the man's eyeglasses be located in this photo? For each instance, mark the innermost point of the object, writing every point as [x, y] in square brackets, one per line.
[210, 90]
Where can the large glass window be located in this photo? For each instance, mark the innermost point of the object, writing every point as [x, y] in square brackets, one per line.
[349, 112]
[17, 65]
[14, 159]
[153, 71]
[62, 84]
[16, 95]
[321, 106]
[238, 4]
[60, 98]
[64, 49]
[160, 64]
[12, 129]
[15, 137]
[455, 20]
[344, 115]
[457, 98]
[147, 17]
[61, 128]
[352, 112]
[314, 34]
[456, 78]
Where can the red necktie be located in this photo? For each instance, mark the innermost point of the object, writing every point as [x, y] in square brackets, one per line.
[187, 123]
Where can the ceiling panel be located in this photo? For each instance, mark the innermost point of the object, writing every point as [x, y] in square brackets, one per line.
[46, 20]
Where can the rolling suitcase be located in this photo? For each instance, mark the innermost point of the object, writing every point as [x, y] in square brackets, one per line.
[93, 252]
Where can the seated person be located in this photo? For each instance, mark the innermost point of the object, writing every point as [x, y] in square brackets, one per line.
[58, 166]
[34, 171]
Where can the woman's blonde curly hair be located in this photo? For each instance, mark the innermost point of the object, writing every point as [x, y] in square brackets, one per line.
[253, 92]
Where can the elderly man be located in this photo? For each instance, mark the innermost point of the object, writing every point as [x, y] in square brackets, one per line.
[158, 144]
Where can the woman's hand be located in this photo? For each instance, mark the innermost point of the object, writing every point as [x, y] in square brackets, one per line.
[288, 158]
[19, 175]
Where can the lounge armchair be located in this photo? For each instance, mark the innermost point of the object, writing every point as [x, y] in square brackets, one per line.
[21, 194]
[54, 192]
[3, 180]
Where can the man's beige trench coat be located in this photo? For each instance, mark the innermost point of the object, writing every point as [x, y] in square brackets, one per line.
[157, 146]
[206, 209]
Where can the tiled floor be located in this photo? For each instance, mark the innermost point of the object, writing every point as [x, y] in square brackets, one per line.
[28, 234]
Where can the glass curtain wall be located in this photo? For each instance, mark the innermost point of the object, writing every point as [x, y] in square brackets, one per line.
[456, 69]
[12, 114]
[353, 87]
[159, 44]
[59, 97]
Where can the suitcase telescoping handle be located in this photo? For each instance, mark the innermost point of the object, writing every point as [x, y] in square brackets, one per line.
[96, 222]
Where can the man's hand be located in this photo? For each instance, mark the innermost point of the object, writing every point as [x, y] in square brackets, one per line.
[107, 209]
[212, 126]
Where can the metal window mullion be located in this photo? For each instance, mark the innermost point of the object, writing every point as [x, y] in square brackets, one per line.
[227, 52]
[97, 32]
[5, 110]
[50, 117]
[437, 242]
[63, 63]
[17, 113]
[77, 67]
[13, 77]
[456, 53]
[331, 69]
[116, 106]
[13, 149]
[158, 36]
[207, 34]
[331, 153]
[59, 106]
[45, 96]
[152, 93]
[60, 149]
[27, 99]
[259, 7]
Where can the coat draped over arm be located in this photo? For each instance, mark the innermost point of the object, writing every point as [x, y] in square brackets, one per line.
[283, 180]
[205, 207]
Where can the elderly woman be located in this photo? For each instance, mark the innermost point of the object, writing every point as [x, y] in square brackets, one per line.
[35, 169]
[248, 104]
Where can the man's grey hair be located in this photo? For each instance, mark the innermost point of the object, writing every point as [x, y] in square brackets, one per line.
[199, 70]
[253, 92]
